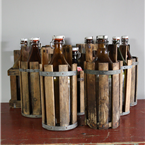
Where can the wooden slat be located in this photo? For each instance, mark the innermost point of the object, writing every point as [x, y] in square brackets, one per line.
[13, 87]
[123, 49]
[42, 96]
[95, 47]
[132, 97]
[25, 53]
[103, 97]
[67, 51]
[121, 86]
[35, 89]
[85, 93]
[16, 54]
[44, 56]
[13, 72]
[25, 90]
[82, 101]
[112, 52]
[115, 97]
[83, 55]
[21, 87]
[91, 97]
[49, 97]
[89, 52]
[74, 95]
[136, 80]
[128, 87]
[64, 97]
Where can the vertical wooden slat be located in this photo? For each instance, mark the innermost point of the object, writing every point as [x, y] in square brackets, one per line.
[49, 94]
[112, 52]
[67, 51]
[42, 96]
[35, 89]
[16, 54]
[89, 52]
[136, 80]
[74, 95]
[25, 53]
[128, 87]
[21, 88]
[13, 87]
[82, 101]
[25, 90]
[91, 97]
[103, 97]
[123, 49]
[44, 56]
[64, 97]
[85, 94]
[121, 86]
[115, 97]
[132, 97]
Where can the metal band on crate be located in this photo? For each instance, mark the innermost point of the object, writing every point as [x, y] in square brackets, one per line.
[80, 79]
[29, 70]
[81, 113]
[31, 116]
[97, 72]
[57, 74]
[124, 113]
[126, 67]
[60, 128]
[135, 63]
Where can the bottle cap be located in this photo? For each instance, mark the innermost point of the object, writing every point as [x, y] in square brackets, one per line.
[36, 39]
[23, 39]
[90, 37]
[102, 37]
[60, 37]
[75, 48]
[116, 38]
[124, 37]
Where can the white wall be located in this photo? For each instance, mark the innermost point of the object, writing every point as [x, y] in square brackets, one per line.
[75, 19]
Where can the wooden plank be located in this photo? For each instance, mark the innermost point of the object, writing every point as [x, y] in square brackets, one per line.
[49, 97]
[128, 87]
[21, 87]
[83, 55]
[95, 47]
[13, 72]
[115, 97]
[123, 49]
[132, 97]
[89, 52]
[85, 94]
[67, 51]
[13, 87]
[15, 104]
[91, 97]
[44, 56]
[82, 101]
[136, 80]
[112, 52]
[74, 95]
[121, 86]
[64, 97]
[16, 54]
[35, 89]
[43, 101]
[25, 90]
[25, 53]
[103, 97]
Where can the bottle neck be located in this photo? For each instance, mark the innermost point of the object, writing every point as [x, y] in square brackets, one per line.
[58, 46]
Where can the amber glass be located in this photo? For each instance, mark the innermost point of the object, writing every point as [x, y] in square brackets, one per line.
[34, 54]
[58, 59]
[23, 46]
[124, 41]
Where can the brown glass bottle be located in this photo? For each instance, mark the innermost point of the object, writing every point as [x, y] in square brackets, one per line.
[34, 54]
[124, 41]
[102, 53]
[22, 56]
[58, 59]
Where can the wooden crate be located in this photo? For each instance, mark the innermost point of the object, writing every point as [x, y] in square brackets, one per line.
[30, 89]
[14, 84]
[80, 99]
[67, 120]
[102, 103]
